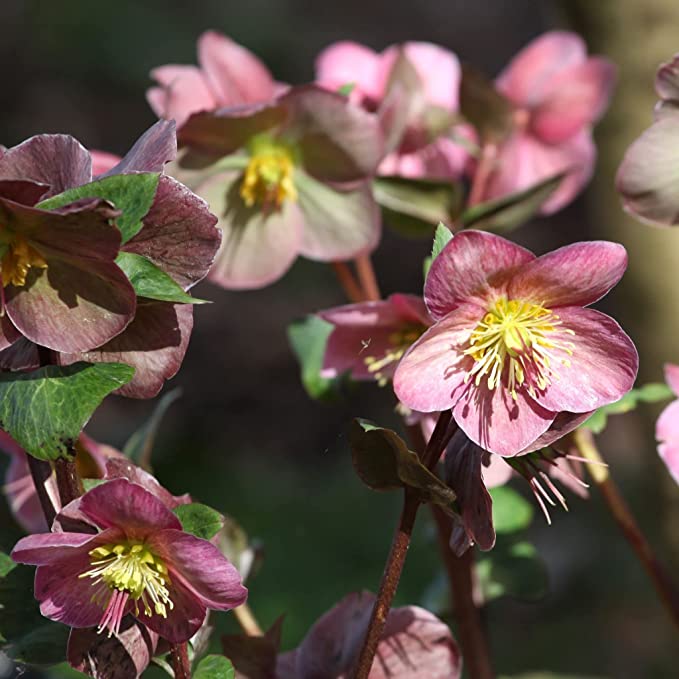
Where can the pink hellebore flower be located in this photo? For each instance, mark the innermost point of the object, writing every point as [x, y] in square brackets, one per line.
[667, 426]
[415, 645]
[134, 558]
[558, 93]
[513, 346]
[370, 338]
[229, 75]
[423, 148]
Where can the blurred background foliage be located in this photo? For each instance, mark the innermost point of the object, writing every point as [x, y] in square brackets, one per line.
[246, 439]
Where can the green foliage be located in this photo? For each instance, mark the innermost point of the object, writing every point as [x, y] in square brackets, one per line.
[506, 213]
[383, 462]
[214, 667]
[6, 564]
[152, 282]
[442, 237]
[511, 511]
[346, 89]
[199, 520]
[46, 409]
[133, 194]
[649, 393]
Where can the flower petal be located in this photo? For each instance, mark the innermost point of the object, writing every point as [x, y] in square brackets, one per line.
[338, 225]
[667, 433]
[430, 377]
[56, 160]
[442, 160]
[48, 548]
[672, 377]
[234, 74]
[102, 162]
[201, 567]
[469, 269]
[667, 80]
[129, 507]
[157, 146]
[346, 62]
[575, 275]
[21, 355]
[563, 424]
[257, 248]
[603, 363]
[23, 192]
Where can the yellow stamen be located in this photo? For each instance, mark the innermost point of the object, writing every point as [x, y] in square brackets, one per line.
[400, 342]
[19, 258]
[268, 179]
[518, 336]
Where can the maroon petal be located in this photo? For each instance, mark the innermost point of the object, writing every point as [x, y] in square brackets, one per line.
[469, 269]
[22, 355]
[201, 567]
[563, 424]
[179, 233]
[129, 507]
[157, 146]
[8, 333]
[23, 192]
[154, 343]
[47, 548]
[56, 160]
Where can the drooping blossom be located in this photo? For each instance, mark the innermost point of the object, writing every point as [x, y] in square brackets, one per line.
[557, 93]
[415, 645]
[513, 344]
[129, 556]
[228, 75]
[286, 178]
[178, 235]
[667, 426]
[427, 78]
[370, 338]
[648, 177]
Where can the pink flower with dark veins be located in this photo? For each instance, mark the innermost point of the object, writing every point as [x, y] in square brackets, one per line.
[513, 345]
[558, 93]
[667, 426]
[129, 556]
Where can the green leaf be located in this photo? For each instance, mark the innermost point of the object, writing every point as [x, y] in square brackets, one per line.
[133, 194]
[511, 511]
[139, 446]
[199, 520]
[152, 282]
[514, 569]
[6, 564]
[506, 213]
[442, 237]
[648, 393]
[45, 410]
[214, 667]
[308, 338]
[88, 484]
[383, 462]
[346, 89]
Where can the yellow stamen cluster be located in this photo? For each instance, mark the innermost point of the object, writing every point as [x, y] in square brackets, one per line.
[19, 258]
[268, 179]
[133, 568]
[521, 336]
[400, 342]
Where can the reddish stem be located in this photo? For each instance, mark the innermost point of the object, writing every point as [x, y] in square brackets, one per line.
[179, 659]
[368, 279]
[41, 472]
[346, 279]
[68, 482]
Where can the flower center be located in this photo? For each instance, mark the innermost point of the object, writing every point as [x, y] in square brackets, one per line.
[128, 570]
[268, 176]
[399, 343]
[18, 259]
[521, 336]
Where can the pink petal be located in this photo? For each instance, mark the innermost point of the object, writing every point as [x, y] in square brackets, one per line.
[667, 80]
[499, 424]
[443, 160]
[575, 275]
[234, 74]
[201, 567]
[603, 365]
[430, 377]
[344, 63]
[667, 433]
[102, 162]
[563, 424]
[496, 472]
[672, 377]
[530, 72]
[48, 548]
[576, 98]
[184, 90]
[472, 268]
[129, 507]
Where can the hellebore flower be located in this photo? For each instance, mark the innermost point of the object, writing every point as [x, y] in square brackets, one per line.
[135, 559]
[649, 173]
[513, 345]
[229, 75]
[285, 178]
[370, 338]
[558, 93]
[429, 83]
[415, 645]
[667, 426]
[178, 236]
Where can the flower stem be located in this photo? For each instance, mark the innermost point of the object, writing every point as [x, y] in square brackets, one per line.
[179, 659]
[665, 588]
[247, 621]
[68, 482]
[368, 279]
[41, 471]
[346, 279]
[484, 169]
[460, 572]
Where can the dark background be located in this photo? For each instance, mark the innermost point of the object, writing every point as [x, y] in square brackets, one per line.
[246, 439]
